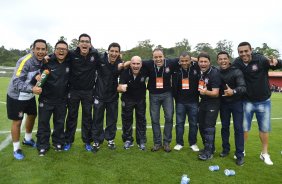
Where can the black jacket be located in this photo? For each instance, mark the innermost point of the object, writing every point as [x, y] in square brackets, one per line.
[107, 80]
[55, 88]
[83, 69]
[234, 78]
[256, 76]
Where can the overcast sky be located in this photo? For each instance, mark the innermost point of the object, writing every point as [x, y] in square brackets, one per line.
[164, 22]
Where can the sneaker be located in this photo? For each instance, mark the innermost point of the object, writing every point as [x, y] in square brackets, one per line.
[266, 158]
[167, 148]
[205, 156]
[88, 147]
[156, 147]
[96, 146]
[31, 143]
[224, 154]
[58, 147]
[195, 148]
[240, 161]
[111, 144]
[18, 154]
[235, 157]
[42, 152]
[178, 147]
[128, 144]
[142, 146]
[67, 146]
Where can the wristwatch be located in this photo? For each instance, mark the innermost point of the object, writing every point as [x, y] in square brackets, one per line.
[234, 91]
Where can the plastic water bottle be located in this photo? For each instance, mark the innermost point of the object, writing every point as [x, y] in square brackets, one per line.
[214, 168]
[228, 172]
[185, 179]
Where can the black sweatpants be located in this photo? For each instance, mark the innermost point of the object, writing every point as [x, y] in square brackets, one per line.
[45, 111]
[85, 97]
[128, 106]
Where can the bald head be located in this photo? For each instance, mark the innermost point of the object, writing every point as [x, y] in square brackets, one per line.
[135, 65]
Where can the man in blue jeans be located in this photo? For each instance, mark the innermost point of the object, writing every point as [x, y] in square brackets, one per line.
[185, 91]
[159, 86]
[232, 88]
[257, 99]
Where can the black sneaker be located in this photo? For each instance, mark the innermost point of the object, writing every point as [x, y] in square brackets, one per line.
[205, 156]
[58, 147]
[42, 152]
[128, 144]
[167, 148]
[240, 161]
[223, 154]
[111, 144]
[156, 147]
[96, 147]
[29, 143]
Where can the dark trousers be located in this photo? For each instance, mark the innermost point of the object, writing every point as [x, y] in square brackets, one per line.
[98, 132]
[236, 109]
[45, 112]
[128, 106]
[191, 110]
[86, 99]
[208, 112]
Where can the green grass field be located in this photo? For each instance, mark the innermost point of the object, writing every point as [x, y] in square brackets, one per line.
[135, 166]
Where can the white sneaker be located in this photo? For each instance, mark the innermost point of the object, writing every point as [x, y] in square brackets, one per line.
[178, 147]
[243, 153]
[195, 147]
[266, 158]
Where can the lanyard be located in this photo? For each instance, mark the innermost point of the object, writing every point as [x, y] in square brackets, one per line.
[187, 73]
[156, 70]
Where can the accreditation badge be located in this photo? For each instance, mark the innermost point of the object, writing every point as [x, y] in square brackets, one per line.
[185, 83]
[159, 83]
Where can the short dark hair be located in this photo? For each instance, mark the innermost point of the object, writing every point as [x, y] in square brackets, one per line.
[114, 44]
[84, 35]
[244, 44]
[39, 40]
[223, 52]
[205, 55]
[61, 42]
[184, 54]
[158, 49]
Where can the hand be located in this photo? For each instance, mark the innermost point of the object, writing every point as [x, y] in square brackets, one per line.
[38, 77]
[203, 91]
[272, 61]
[228, 91]
[36, 90]
[124, 87]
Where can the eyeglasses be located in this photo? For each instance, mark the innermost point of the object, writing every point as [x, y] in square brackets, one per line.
[84, 41]
[61, 49]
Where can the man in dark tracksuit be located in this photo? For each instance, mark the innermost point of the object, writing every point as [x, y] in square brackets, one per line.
[185, 91]
[53, 100]
[232, 88]
[132, 84]
[209, 85]
[83, 63]
[106, 97]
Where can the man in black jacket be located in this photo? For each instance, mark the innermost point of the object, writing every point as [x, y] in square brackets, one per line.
[257, 99]
[53, 100]
[232, 88]
[83, 62]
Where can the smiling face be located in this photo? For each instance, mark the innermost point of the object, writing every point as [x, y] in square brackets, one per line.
[61, 51]
[135, 65]
[223, 61]
[113, 54]
[158, 58]
[40, 50]
[204, 63]
[245, 53]
[84, 45]
[185, 61]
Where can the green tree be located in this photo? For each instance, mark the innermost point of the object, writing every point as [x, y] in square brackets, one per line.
[62, 38]
[224, 45]
[205, 47]
[182, 46]
[73, 44]
[267, 51]
[143, 49]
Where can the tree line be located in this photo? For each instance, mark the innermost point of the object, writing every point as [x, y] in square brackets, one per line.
[144, 49]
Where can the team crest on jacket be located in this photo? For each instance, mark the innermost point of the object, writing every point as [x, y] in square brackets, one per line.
[206, 80]
[167, 70]
[20, 114]
[142, 79]
[41, 105]
[254, 67]
[195, 72]
[67, 69]
[92, 59]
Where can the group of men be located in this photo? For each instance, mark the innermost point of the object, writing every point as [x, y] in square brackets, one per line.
[85, 76]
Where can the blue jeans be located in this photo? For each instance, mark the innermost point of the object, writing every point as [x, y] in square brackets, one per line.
[236, 109]
[262, 110]
[191, 110]
[166, 101]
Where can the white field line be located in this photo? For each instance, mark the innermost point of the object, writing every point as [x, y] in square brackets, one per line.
[8, 139]
[2, 102]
